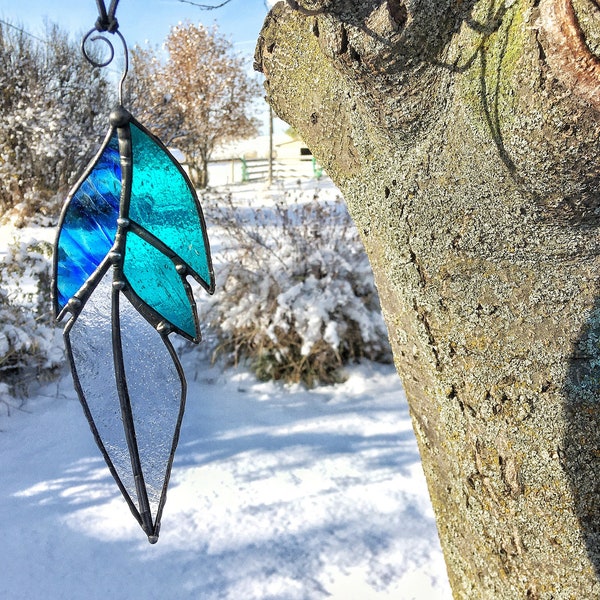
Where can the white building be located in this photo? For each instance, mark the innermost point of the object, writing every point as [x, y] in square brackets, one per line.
[248, 160]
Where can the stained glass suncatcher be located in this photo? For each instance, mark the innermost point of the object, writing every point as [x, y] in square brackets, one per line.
[130, 234]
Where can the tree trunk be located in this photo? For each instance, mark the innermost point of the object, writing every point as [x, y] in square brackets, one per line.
[203, 183]
[465, 139]
[198, 173]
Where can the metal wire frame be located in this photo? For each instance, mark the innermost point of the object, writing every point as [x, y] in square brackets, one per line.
[107, 23]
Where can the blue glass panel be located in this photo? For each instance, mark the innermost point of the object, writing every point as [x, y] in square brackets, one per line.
[89, 224]
[162, 203]
[154, 279]
[155, 395]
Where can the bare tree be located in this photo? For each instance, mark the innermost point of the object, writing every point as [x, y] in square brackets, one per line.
[465, 137]
[200, 96]
[51, 102]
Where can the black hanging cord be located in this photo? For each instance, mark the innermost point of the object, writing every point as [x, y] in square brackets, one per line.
[107, 20]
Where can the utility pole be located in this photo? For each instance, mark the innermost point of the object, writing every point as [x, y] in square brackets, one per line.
[270, 177]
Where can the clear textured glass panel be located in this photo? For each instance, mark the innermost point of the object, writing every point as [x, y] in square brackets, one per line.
[155, 394]
[162, 203]
[89, 224]
[91, 345]
[154, 279]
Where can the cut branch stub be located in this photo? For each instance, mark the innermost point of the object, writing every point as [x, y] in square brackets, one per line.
[566, 49]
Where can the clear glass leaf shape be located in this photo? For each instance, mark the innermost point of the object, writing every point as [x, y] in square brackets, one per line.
[156, 395]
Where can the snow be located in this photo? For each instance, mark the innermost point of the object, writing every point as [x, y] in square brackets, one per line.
[277, 493]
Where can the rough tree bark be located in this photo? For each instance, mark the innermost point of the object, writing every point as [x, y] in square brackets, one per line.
[465, 138]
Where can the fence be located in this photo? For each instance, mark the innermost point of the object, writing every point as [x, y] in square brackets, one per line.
[239, 170]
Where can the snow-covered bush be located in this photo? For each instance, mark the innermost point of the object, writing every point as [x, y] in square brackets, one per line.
[29, 345]
[53, 112]
[295, 293]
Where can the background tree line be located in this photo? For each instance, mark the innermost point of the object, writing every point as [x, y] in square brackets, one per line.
[194, 93]
[54, 106]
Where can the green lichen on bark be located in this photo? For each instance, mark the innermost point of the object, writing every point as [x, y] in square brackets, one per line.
[472, 173]
[489, 54]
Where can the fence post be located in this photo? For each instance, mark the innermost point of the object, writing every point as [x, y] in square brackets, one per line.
[245, 176]
[270, 177]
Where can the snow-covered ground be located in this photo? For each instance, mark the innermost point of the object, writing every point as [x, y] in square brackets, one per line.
[277, 493]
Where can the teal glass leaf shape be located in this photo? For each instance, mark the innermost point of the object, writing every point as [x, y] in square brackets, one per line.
[155, 280]
[164, 203]
[167, 239]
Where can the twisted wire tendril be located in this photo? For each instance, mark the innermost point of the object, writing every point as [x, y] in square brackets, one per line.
[100, 37]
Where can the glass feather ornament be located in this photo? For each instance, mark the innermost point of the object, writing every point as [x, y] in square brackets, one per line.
[130, 233]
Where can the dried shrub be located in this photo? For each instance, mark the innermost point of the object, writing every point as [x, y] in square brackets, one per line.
[295, 292]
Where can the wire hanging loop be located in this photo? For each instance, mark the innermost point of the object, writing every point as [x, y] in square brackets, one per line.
[106, 23]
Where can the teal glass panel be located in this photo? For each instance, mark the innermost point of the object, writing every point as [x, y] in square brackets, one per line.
[89, 224]
[154, 279]
[162, 203]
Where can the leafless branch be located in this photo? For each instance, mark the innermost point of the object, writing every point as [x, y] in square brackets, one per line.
[206, 6]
